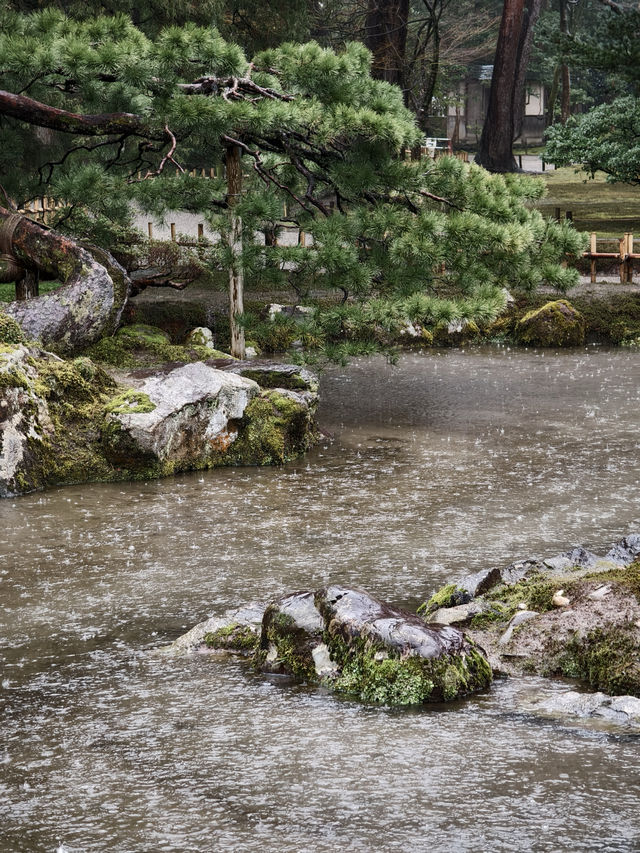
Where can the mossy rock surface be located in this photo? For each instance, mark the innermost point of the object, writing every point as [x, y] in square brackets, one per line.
[68, 421]
[140, 346]
[10, 330]
[582, 624]
[277, 426]
[555, 324]
[354, 644]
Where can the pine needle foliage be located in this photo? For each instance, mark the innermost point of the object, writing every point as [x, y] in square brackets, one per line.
[395, 240]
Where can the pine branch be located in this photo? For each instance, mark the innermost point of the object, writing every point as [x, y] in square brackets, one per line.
[36, 113]
[232, 89]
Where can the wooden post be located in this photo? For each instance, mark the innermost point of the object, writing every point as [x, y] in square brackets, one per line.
[520, 161]
[302, 238]
[623, 246]
[236, 271]
[200, 230]
[150, 230]
[212, 172]
[173, 231]
[593, 248]
[629, 259]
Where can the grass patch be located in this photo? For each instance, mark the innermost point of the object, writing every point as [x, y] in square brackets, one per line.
[8, 289]
[597, 205]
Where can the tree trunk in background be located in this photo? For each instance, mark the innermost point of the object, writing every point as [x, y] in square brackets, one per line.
[532, 13]
[565, 100]
[386, 37]
[494, 150]
[236, 271]
[434, 68]
[553, 96]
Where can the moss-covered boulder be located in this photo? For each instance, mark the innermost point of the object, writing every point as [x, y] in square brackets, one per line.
[556, 324]
[67, 421]
[352, 643]
[278, 425]
[181, 419]
[51, 413]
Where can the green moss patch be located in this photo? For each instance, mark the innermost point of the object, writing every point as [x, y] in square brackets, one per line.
[375, 674]
[237, 638]
[129, 403]
[447, 596]
[293, 644]
[10, 331]
[145, 346]
[555, 324]
[607, 658]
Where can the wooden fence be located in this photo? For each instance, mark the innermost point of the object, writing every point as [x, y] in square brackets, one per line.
[625, 256]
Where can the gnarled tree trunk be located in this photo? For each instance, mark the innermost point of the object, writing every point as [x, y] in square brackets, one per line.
[94, 288]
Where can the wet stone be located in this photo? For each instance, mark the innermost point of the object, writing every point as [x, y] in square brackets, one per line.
[626, 550]
[481, 582]
[353, 643]
[222, 631]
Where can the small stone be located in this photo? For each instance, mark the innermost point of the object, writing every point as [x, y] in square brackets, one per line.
[520, 617]
[600, 593]
[322, 659]
[560, 600]
[201, 336]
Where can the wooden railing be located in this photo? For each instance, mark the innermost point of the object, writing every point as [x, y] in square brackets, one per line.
[625, 257]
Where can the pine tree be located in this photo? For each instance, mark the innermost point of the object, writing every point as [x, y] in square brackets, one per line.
[100, 116]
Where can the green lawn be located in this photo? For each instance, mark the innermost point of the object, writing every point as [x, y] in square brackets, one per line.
[608, 209]
[8, 290]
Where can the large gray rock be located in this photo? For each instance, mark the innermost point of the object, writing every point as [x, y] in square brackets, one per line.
[187, 417]
[353, 643]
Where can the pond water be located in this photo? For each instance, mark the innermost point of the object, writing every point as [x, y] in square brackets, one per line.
[448, 462]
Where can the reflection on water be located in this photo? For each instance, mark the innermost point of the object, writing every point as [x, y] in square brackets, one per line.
[448, 462]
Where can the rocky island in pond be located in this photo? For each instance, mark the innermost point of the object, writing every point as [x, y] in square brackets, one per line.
[75, 420]
[575, 615]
